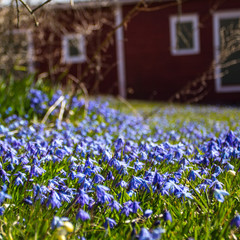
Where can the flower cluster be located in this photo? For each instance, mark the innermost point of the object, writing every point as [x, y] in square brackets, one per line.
[38, 101]
[105, 168]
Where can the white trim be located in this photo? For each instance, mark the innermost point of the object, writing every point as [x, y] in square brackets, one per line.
[65, 4]
[66, 58]
[216, 32]
[30, 52]
[30, 46]
[119, 36]
[173, 34]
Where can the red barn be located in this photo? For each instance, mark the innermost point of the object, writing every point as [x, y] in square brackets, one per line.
[162, 50]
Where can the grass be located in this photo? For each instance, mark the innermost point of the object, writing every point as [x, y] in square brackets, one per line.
[160, 144]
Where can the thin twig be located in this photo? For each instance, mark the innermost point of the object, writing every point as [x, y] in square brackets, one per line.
[102, 46]
[18, 13]
[26, 6]
[9, 133]
[41, 5]
[30, 11]
[60, 117]
[161, 7]
[61, 98]
[143, 219]
[82, 87]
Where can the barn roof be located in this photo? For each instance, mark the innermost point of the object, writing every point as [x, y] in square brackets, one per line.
[87, 3]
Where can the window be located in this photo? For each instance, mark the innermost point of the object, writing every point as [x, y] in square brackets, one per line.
[184, 35]
[74, 50]
[227, 51]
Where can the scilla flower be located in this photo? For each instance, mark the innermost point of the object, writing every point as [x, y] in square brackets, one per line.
[219, 194]
[236, 221]
[148, 213]
[109, 222]
[167, 216]
[145, 234]
[82, 215]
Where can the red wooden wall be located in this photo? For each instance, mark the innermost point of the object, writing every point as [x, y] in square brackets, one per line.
[48, 53]
[151, 71]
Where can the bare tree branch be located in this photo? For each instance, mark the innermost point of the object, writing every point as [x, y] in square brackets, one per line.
[18, 13]
[30, 11]
[41, 5]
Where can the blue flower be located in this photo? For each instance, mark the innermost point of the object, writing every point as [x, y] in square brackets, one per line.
[216, 184]
[217, 171]
[54, 199]
[219, 194]
[119, 143]
[229, 167]
[36, 171]
[109, 222]
[144, 234]
[28, 200]
[171, 186]
[126, 210]
[83, 198]
[148, 213]
[105, 198]
[167, 216]
[82, 215]
[157, 233]
[4, 175]
[138, 165]
[135, 183]
[102, 188]
[157, 178]
[98, 178]
[147, 235]
[193, 174]
[236, 221]
[3, 194]
[18, 181]
[2, 209]
[135, 206]
[230, 138]
[110, 176]
[183, 192]
[115, 205]
[81, 238]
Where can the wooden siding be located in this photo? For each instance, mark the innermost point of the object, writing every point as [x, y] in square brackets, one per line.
[152, 72]
[48, 53]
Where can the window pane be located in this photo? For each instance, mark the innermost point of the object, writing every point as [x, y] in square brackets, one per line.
[74, 50]
[230, 51]
[73, 46]
[184, 35]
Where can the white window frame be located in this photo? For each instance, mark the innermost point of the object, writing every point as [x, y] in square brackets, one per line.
[173, 34]
[66, 58]
[30, 46]
[216, 36]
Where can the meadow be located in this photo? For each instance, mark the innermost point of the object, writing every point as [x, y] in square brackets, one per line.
[114, 171]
